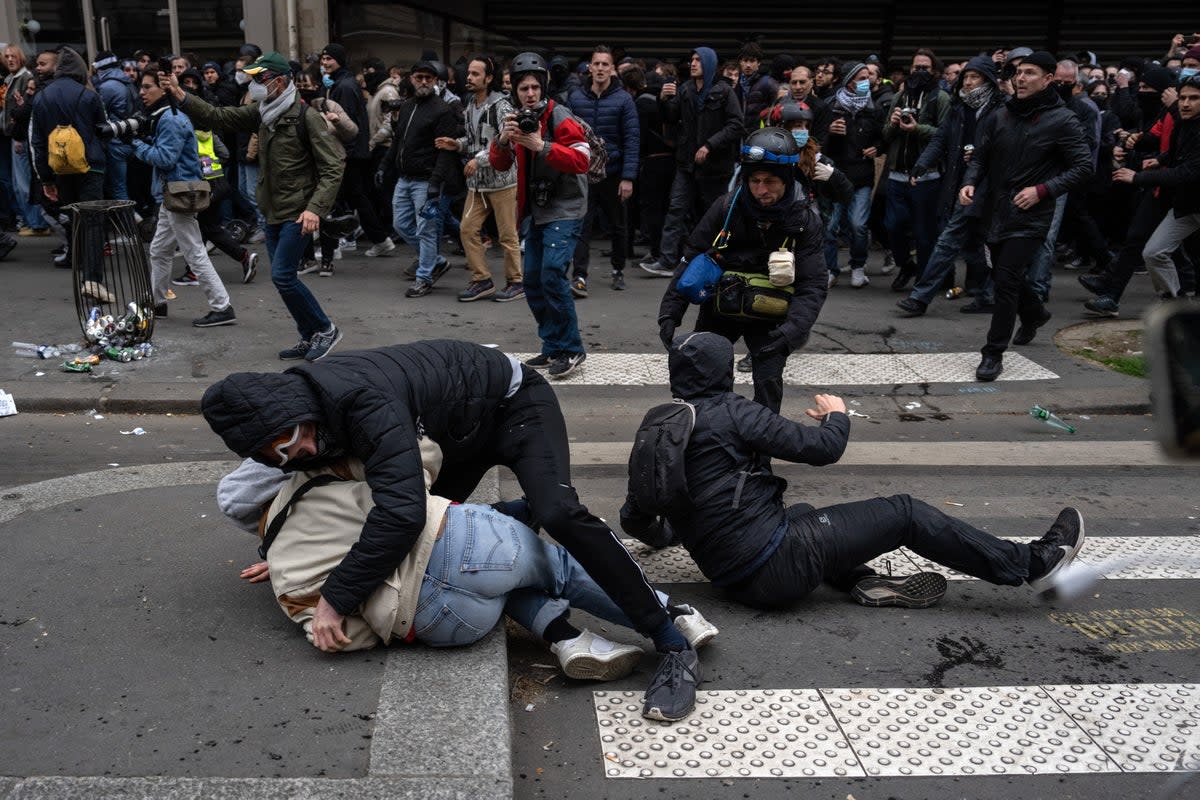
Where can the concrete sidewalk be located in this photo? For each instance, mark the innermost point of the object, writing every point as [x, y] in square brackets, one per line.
[365, 298]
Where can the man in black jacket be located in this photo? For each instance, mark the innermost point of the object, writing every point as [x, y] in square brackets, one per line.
[343, 89]
[768, 218]
[708, 121]
[768, 555]
[483, 408]
[1032, 150]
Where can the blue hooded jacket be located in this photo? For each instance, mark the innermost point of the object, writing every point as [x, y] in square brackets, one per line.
[118, 93]
[173, 152]
[708, 62]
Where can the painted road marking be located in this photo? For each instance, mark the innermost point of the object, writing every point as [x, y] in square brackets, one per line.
[1135, 630]
[812, 369]
[1123, 557]
[1006, 730]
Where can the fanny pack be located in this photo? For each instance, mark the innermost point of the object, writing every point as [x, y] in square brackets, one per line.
[751, 295]
[187, 197]
[700, 276]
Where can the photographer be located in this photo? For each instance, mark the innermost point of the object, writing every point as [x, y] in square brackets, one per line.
[169, 145]
[551, 152]
[766, 226]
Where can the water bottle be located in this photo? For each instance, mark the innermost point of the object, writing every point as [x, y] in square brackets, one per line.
[1048, 417]
[25, 349]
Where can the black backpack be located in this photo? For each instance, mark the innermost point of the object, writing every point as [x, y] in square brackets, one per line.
[657, 480]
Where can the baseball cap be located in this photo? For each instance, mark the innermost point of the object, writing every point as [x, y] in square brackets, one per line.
[268, 62]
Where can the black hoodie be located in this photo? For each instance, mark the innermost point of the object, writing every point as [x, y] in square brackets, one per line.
[67, 100]
[737, 515]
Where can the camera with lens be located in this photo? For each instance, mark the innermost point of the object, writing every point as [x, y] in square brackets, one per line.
[529, 120]
[393, 105]
[164, 65]
[139, 125]
[907, 115]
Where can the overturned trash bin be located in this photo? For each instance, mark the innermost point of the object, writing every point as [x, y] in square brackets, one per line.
[110, 272]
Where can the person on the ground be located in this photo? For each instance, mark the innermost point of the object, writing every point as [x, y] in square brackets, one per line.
[604, 104]
[484, 409]
[302, 168]
[490, 192]
[767, 220]
[552, 158]
[708, 124]
[441, 594]
[765, 554]
[976, 97]
[1031, 151]
[171, 150]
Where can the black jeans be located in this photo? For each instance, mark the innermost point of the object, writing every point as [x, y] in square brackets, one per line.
[530, 438]
[210, 221]
[690, 197]
[767, 371]
[355, 192]
[77, 189]
[1146, 216]
[602, 196]
[826, 544]
[654, 195]
[1015, 298]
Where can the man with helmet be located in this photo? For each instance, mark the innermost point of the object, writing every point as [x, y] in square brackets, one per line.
[551, 152]
[766, 228]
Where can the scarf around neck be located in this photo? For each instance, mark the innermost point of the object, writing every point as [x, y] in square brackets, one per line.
[977, 96]
[849, 101]
[272, 110]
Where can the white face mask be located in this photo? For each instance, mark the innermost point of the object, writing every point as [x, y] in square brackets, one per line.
[242, 78]
[257, 92]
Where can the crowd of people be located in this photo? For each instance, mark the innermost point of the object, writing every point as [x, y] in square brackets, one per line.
[1016, 162]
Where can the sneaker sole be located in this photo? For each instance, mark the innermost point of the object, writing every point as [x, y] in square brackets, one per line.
[588, 667]
[1046, 582]
[499, 299]
[185, 283]
[915, 591]
[215, 324]
[537, 366]
[248, 276]
[480, 296]
[657, 714]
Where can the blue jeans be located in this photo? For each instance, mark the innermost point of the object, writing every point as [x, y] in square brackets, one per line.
[247, 185]
[285, 248]
[486, 564]
[421, 234]
[915, 208]
[116, 167]
[548, 252]
[961, 235]
[1039, 272]
[22, 172]
[853, 216]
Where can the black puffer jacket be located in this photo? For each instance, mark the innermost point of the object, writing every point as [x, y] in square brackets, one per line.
[371, 403]
[1041, 145]
[737, 515]
[748, 247]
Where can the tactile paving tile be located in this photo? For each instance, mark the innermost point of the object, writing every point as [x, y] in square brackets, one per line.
[1143, 727]
[812, 369]
[964, 731]
[769, 733]
[668, 565]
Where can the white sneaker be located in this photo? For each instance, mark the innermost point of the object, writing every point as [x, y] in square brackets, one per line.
[347, 244]
[889, 264]
[382, 249]
[858, 278]
[695, 628]
[831, 280]
[592, 657]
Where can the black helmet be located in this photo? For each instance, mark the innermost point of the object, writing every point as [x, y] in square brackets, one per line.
[771, 150]
[795, 112]
[528, 62]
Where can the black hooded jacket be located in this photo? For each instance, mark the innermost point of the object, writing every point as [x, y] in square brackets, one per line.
[371, 404]
[67, 100]
[736, 519]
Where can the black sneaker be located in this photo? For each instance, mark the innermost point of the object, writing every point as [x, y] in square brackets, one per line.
[1025, 333]
[565, 364]
[326, 270]
[477, 290]
[187, 278]
[910, 307]
[977, 306]
[903, 278]
[439, 269]
[745, 364]
[1103, 306]
[618, 280]
[906, 591]
[1056, 549]
[296, 352]
[249, 266]
[1096, 284]
[419, 288]
[160, 310]
[309, 266]
[672, 693]
[541, 361]
[214, 318]
[658, 268]
[321, 344]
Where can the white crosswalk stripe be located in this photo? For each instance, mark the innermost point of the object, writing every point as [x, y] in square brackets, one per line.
[1118, 557]
[812, 369]
[862, 732]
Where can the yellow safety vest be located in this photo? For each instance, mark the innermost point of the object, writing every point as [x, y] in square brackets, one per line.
[210, 165]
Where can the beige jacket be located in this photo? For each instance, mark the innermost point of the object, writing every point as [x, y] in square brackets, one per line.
[320, 530]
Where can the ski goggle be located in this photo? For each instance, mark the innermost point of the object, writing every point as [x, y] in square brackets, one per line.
[282, 442]
[756, 153]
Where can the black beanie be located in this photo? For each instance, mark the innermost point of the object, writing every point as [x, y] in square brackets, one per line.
[336, 52]
[1043, 60]
[1159, 77]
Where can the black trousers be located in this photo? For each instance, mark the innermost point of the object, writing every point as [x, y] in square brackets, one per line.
[767, 371]
[210, 221]
[827, 544]
[654, 195]
[76, 189]
[1015, 298]
[602, 196]
[356, 190]
[530, 438]
[1146, 216]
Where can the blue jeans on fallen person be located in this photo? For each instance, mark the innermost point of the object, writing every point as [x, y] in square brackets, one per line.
[548, 252]
[487, 564]
[285, 248]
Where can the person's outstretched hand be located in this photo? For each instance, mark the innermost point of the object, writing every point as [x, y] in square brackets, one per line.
[256, 573]
[826, 404]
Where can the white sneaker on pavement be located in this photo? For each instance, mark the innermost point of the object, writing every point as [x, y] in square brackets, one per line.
[695, 628]
[592, 657]
[858, 278]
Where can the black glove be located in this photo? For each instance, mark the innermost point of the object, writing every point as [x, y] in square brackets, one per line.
[666, 331]
[776, 344]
